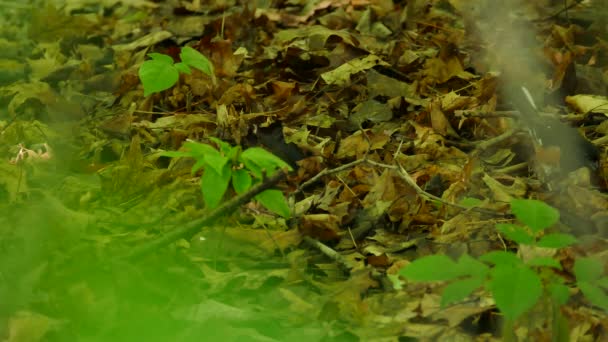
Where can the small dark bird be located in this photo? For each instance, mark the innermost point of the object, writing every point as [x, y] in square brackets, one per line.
[272, 139]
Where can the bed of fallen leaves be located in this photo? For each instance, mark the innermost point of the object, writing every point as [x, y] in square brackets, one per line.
[391, 110]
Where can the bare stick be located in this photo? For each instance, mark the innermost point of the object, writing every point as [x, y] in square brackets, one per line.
[327, 251]
[325, 172]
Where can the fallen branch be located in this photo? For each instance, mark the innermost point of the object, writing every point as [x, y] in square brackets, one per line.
[192, 227]
[327, 251]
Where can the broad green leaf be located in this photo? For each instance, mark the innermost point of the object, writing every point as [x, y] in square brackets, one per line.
[225, 147]
[160, 57]
[544, 262]
[535, 214]
[196, 60]
[214, 186]
[183, 68]
[264, 159]
[501, 258]
[437, 267]
[515, 289]
[588, 269]
[198, 164]
[556, 240]
[468, 265]
[199, 150]
[559, 292]
[515, 233]
[207, 156]
[594, 294]
[274, 200]
[460, 289]
[234, 153]
[251, 166]
[157, 75]
[241, 181]
[216, 161]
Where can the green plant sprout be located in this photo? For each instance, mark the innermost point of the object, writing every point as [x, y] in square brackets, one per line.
[229, 164]
[515, 284]
[161, 73]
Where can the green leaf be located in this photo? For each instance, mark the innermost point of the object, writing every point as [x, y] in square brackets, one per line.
[162, 58]
[196, 60]
[234, 154]
[214, 185]
[468, 265]
[183, 68]
[559, 293]
[437, 267]
[515, 289]
[594, 294]
[252, 167]
[206, 155]
[225, 147]
[157, 75]
[274, 200]
[535, 214]
[588, 269]
[216, 161]
[241, 181]
[515, 233]
[470, 202]
[176, 154]
[460, 289]
[556, 240]
[199, 164]
[264, 159]
[200, 150]
[544, 262]
[501, 258]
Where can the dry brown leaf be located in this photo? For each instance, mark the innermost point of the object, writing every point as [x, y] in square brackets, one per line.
[323, 227]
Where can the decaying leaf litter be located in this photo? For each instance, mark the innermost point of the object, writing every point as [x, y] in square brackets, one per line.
[394, 115]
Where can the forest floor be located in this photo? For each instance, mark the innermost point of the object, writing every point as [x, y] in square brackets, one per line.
[411, 128]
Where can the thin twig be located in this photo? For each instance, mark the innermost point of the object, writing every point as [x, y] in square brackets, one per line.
[512, 168]
[326, 172]
[562, 10]
[405, 176]
[327, 251]
[484, 145]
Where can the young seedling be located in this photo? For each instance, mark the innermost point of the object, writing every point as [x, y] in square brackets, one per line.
[227, 165]
[161, 73]
[515, 284]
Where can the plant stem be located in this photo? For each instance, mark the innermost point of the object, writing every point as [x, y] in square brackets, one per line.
[189, 229]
